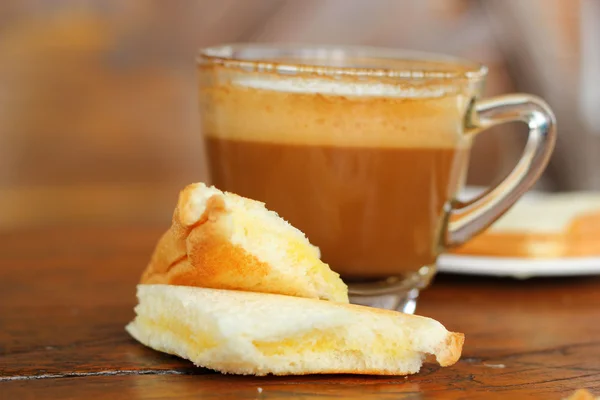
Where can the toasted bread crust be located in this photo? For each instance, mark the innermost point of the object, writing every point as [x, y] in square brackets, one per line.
[182, 249]
[580, 239]
[450, 353]
[530, 245]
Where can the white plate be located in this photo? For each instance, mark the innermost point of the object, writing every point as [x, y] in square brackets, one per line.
[520, 268]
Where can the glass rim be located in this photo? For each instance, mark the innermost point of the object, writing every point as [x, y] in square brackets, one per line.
[226, 55]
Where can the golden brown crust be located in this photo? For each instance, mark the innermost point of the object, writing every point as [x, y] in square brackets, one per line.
[581, 239]
[524, 245]
[451, 350]
[196, 255]
[172, 246]
[208, 252]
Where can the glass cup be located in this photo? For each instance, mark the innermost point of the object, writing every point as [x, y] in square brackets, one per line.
[364, 150]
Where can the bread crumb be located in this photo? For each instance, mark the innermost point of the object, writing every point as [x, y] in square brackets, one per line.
[495, 365]
[582, 394]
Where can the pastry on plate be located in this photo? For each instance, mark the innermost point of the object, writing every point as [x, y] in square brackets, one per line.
[543, 226]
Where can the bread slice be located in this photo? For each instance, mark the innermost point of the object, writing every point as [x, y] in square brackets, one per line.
[255, 333]
[543, 226]
[225, 241]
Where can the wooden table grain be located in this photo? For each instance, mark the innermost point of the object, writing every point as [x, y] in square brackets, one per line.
[67, 293]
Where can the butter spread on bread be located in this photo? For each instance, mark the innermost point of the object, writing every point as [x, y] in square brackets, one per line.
[256, 333]
[225, 241]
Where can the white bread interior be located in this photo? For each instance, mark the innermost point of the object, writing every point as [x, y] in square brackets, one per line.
[225, 241]
[255, 333]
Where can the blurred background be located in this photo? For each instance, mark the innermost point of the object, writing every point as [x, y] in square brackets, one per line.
[98, 116]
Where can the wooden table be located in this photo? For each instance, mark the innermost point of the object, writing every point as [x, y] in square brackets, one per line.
[66, 294]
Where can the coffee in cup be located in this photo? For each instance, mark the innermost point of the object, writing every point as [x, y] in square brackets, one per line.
[366, 164]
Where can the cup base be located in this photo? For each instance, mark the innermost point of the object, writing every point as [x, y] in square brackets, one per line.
[404, 302]
[394, 293]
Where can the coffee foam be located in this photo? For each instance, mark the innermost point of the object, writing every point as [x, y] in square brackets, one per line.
[341, 88]
[333, 113]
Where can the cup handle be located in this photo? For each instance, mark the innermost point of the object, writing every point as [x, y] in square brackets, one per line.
[467, 219]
